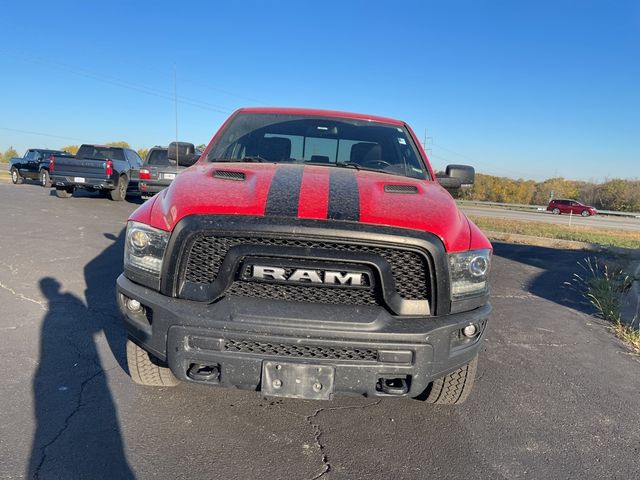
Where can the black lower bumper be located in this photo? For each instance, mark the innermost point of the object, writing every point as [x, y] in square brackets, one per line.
[238, 335]
[90, 183]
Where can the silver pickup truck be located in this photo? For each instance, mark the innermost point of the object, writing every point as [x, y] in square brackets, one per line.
[162, 164]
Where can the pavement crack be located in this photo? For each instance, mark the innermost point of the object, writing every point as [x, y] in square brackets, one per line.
[65, 425]
[317, 433]
[23, 297]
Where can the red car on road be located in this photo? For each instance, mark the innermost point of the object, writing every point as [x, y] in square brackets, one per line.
[558, 206]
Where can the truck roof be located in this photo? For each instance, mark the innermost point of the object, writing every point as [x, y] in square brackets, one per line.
[320, 113]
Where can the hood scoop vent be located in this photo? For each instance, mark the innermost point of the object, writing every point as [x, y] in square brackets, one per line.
[229, 175]
[396, 188]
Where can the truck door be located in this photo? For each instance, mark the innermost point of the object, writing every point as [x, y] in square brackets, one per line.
[30, 165]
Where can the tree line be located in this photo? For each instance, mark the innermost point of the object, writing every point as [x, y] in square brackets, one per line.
[612, 194]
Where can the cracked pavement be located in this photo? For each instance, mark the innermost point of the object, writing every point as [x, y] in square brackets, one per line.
[556, 394]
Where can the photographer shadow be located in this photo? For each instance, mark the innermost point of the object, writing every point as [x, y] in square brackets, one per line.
[77, 428]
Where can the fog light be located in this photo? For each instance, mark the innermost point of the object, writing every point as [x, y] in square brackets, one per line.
[470, 331]
[134, 305]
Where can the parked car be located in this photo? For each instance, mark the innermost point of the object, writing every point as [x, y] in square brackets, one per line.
[559, 205]
[307, 254]
[107, 169]
[34, 165]
[162, 164]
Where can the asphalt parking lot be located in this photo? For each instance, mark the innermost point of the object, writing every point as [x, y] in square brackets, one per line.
[556, 395]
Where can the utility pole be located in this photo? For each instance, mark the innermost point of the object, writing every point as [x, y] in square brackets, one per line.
[175, 97]
[424, 142]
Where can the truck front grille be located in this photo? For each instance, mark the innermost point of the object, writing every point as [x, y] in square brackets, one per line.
[300, 351]
[207, 252]
[306, 293]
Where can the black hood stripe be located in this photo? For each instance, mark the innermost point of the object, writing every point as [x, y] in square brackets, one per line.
[344, 196]
[284, 192]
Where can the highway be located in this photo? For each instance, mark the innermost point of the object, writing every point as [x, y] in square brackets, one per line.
[597, 221]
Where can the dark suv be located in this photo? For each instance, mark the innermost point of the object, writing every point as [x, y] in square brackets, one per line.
[558, 206]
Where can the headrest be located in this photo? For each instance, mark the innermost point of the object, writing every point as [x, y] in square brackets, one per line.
[319, 159]
[364, 152]
[275, 148]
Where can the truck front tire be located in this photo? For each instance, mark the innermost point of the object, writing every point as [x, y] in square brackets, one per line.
[15, 176]
[145, 369]
[454, 388]
[120, 192]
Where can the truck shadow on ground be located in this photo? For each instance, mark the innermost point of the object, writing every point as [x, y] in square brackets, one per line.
[134, 198]
[557, 267]
[77, 429]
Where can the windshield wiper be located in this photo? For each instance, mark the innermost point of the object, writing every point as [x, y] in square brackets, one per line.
[253, 158]
[246, 159]
[348, 165]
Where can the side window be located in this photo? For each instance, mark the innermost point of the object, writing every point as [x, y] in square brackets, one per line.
[137, 161]
[37, 156]
[133, 158]
[30, 155]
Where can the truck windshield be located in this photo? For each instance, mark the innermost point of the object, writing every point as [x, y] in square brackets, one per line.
[285, 138]
[159, 158]
[100, 153]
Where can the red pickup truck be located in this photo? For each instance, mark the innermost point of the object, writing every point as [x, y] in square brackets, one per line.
[308, 253]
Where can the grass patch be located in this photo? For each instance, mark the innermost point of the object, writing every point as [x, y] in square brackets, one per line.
[617, 238]
[602, 284]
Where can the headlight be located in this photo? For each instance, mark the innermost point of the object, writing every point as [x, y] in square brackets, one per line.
[469, 273]
[143, 253]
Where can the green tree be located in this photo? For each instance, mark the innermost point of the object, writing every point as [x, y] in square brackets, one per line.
[8, 154]
[143, 152]
[201, 147]
[118, 144]
[72, 149]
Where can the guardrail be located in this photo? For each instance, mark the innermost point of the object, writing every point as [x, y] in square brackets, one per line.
[520, 206]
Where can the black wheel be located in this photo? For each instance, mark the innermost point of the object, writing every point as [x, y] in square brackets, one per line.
[64, 192]
[120, 192]
[556, 211]
[45, 179]
[454, 388]
[145, 369]
[584, 213]
[15, 176]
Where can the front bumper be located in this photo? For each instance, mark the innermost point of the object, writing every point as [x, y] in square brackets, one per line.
[238, 334]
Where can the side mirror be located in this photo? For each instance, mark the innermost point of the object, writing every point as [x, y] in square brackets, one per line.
[457, 176]
[181, 151]
[449, 183]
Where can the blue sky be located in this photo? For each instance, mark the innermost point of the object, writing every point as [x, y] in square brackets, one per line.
[522, 89]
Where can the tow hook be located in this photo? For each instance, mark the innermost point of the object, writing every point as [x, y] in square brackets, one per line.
[204, 373]
[393, 386]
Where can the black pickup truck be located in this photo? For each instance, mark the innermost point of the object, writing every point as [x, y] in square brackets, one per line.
[34, 165]
[162, 164]
[107, 169]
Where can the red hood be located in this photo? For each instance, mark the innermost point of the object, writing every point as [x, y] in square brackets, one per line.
[311, 192]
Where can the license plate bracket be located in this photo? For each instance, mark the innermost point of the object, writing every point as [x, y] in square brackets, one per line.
[298, 380]
[79, 179]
